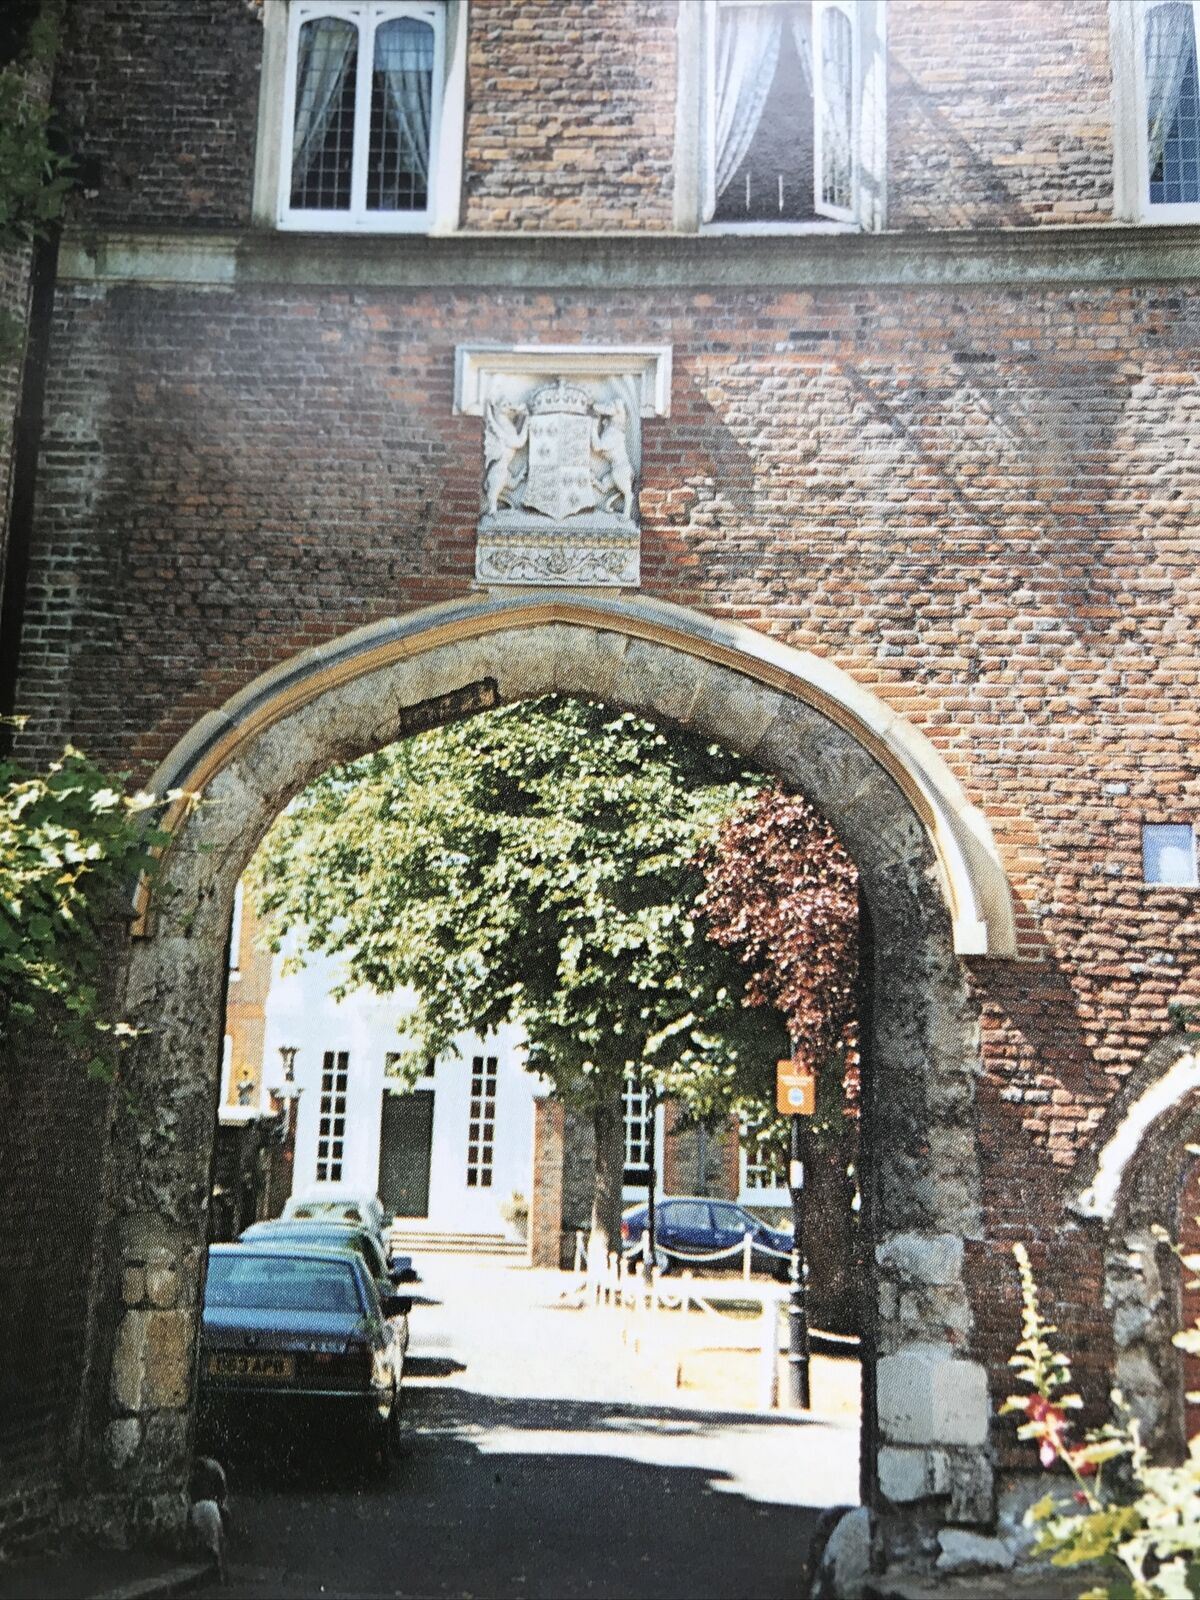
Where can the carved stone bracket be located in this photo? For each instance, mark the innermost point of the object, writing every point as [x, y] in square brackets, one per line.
[562, 457]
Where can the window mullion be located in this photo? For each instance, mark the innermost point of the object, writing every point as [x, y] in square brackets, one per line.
[821, 10]
[362, 115]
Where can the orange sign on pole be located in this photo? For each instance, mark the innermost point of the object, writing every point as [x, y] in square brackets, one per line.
[795, 1090]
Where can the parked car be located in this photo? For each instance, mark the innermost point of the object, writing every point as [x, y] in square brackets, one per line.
[337, 1204]
[297, 1333]
[696, 1226]
[390, 1273]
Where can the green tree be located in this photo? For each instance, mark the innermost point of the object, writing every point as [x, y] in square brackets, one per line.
[781, 894]
[536, 864]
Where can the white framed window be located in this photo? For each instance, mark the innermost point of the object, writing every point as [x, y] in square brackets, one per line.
[790, 101]
[331, 1127]
[762, 1172]
[1156, 109]
[361, 115]
[1169, 854]
[481, 1128]
[638, 1106]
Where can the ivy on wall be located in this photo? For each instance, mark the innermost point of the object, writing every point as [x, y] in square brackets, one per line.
[71, 844]
[35, 175]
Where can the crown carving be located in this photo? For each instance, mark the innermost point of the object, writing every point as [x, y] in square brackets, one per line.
[560, 396]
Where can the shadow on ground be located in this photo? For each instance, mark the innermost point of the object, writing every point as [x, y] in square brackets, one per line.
[525, 1497]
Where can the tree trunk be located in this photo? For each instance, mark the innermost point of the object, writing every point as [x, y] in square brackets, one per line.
[608, 1120]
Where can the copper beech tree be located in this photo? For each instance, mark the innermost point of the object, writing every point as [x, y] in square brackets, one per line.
[782, 895]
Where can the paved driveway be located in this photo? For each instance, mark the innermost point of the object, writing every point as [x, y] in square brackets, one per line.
[542, 1460]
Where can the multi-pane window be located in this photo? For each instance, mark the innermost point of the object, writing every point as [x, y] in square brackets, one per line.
[639, 1109]
[1165, 48]
[364, 86]
[331, 1129]
[783, 110]
[765, 1168]
[481, 1129]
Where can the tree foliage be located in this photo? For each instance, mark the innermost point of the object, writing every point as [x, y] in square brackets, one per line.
[71, 843]
[782, 895]
[35, 177]
[538, 864]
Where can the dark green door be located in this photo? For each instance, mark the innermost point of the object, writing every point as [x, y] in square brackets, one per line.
[405, 1143]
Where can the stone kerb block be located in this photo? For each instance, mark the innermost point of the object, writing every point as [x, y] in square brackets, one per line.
[928, 1396]
[963, 1551]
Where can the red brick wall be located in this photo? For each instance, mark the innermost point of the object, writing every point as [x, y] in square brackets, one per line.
[999, 113]
[548, 1241]
[161, 100]
[571, 120]
[981, 503]
[53, 1144]
[245, 1006]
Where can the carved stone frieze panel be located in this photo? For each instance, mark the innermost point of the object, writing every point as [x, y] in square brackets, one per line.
[562, 450]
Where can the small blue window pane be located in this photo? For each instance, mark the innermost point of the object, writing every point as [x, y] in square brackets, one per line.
[1169, 853]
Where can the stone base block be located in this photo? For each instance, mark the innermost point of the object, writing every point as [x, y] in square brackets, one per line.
[928, 1396]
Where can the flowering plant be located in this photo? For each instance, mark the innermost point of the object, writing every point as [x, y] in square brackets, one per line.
[1143, 1531]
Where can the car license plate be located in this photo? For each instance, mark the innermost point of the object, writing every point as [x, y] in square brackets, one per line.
[226, 1364]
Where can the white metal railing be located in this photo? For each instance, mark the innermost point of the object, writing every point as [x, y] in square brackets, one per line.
[635, 1287]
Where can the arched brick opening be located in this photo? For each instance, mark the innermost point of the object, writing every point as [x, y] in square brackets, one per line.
[1143, 1177]
[931, 881]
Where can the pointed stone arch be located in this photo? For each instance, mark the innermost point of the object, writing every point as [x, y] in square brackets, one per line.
[931, 879]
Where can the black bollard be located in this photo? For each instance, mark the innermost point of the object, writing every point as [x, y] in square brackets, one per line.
[799, 1392]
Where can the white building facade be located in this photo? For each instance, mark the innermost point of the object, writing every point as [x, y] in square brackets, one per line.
[453, 1151]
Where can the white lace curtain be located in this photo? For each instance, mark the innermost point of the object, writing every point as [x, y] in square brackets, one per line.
[747, 54]
[327, 51]
[1170, 48]
[404, 59]
[837, 108]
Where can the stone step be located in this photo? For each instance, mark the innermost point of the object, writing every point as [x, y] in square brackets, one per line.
[443, 1241]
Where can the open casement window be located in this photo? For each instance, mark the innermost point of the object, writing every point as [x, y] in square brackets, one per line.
[362, 112]
[783, 104]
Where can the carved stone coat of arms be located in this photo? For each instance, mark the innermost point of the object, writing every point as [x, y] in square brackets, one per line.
[559, 490]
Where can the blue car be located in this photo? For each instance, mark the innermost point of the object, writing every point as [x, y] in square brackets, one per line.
[296, 1334]
[689, 1225]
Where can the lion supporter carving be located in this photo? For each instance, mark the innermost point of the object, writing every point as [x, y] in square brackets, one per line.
[561, 452]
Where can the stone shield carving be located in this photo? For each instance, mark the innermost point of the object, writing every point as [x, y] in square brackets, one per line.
[562, 452]
[558, 481]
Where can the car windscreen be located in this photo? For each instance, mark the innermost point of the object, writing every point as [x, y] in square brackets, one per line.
[374, 1257]
[326, 1233]
[281, 1283]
